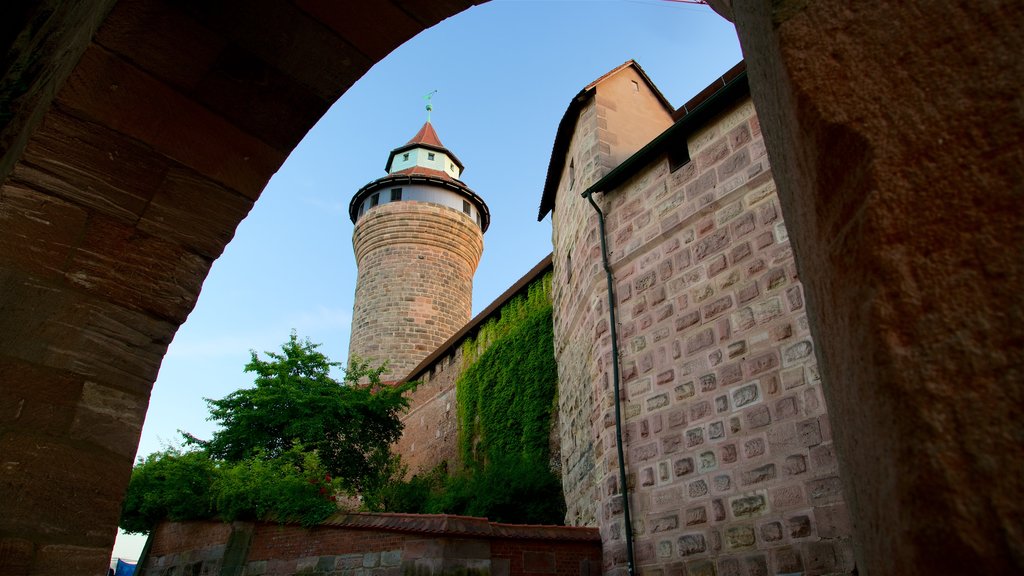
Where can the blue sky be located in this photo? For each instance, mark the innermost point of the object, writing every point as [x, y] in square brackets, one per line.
[504, 73]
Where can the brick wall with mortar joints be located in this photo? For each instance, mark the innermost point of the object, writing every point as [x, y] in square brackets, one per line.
[431, 432]
[416, 263]
[413, 545]
[187, 544]
[728, 446]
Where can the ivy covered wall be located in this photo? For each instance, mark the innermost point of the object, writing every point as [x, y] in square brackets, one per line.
[506, 392]
[479, 439]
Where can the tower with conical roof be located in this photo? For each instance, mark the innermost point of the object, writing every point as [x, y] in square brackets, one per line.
[418, 239]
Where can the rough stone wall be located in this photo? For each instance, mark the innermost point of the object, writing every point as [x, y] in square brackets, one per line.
[431, 432]
[416, 263]
[571, 300]
[629, 115]
[728, 445]
[610, 127]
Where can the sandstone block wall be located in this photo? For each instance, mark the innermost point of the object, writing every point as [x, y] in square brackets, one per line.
[416, 263]
[728, 444]
[430, 436]
[571, 304]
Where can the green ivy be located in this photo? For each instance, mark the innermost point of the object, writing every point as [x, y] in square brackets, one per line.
[506, 393]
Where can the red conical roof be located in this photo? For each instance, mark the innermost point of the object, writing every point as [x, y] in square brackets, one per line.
[426, 135]
[425, 138]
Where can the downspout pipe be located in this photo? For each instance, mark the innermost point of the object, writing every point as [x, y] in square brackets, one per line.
[623, 481]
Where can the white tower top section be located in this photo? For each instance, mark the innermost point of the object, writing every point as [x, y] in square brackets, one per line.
[422, 170]
[424, 151]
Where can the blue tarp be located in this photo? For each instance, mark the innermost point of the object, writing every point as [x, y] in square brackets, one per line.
[124, 568]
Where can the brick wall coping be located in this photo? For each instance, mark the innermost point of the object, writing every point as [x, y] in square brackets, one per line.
[452, 525]
[492, 309]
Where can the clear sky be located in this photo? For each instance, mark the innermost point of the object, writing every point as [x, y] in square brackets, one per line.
[504, 74]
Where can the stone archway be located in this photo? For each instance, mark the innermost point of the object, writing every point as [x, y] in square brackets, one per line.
[895, 132]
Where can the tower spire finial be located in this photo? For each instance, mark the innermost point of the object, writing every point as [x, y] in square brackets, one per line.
[429, 107]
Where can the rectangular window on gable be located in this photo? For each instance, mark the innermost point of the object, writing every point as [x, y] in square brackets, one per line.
[375, 199]
[465, 207]
[430, 155]
[396, 194]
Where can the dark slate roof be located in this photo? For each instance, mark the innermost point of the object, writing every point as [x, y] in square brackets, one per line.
[420, 175]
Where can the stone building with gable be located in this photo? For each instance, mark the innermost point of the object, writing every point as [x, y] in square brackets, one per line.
[728, 458]
[727, 449]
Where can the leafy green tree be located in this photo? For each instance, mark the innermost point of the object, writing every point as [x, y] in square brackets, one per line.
[286, 448]
[171, 484]
[179, 485]
[292, 486]
[350, 424]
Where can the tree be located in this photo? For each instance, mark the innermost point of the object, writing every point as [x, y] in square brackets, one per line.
[286, 447]
[171, 484]
[189, 485]
[350, 424]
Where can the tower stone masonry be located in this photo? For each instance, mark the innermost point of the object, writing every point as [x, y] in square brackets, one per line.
[418, 239]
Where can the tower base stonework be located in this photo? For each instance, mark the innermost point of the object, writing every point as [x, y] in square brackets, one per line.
[416, 263]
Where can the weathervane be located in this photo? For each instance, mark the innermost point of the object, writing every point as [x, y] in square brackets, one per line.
[429, 107]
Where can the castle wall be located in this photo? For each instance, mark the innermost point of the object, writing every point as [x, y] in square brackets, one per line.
[431, 426]
[431, 431]
[728, 446]
[416, 262]
[371, 545]
[610, 127]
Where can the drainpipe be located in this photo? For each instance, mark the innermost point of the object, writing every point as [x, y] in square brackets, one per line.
[623, 483]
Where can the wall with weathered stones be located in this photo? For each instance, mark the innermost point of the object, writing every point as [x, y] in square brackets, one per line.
[415, 288]
[371, 545]
[899, 170]
[431, 426]
[727, 439]
[619, 116]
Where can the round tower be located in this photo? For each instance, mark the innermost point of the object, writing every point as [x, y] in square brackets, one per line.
[418, 239]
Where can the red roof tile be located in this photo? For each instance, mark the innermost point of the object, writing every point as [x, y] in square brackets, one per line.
[421, 171]
[426, 135]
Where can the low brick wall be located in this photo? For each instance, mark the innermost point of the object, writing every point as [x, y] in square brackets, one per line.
[371, 545]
